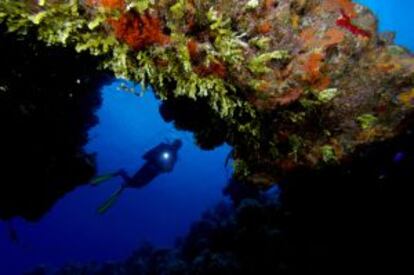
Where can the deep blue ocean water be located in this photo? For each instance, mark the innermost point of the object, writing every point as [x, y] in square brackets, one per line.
[159, 213]
[128, 126]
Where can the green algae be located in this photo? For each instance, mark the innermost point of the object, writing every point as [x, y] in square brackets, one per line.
[270, 76]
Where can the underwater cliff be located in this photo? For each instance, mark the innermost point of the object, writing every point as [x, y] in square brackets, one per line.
[48, 98]
[315, 100]
[296, 84]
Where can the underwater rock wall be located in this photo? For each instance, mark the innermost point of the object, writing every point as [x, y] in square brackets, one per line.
[297, 84]
[47, 101]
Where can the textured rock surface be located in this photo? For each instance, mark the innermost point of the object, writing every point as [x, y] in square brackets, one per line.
[294, 83]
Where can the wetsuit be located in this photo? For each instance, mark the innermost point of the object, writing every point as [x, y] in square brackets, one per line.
[160, 159]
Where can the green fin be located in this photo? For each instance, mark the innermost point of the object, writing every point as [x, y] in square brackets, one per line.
[109, 202]
[100, 179]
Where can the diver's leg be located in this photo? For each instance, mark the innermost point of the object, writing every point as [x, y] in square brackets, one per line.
[124, 175]
[114, 197]
[111, 200]
[144, 176]
[103, 178]
[121, 173]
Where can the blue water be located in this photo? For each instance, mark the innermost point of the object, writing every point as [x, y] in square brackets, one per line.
[159, 213]
[394, 15]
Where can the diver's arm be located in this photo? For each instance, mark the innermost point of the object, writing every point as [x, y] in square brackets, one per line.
[151, 154]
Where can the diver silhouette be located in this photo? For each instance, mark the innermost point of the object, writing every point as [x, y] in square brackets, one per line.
[160, 159]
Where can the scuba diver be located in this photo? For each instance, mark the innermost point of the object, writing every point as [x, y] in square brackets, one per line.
[160, 159]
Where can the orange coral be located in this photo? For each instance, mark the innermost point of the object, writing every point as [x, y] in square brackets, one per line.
[341, 5]
[332, 37]
[348, 7]
[290, 96]
[308, 36]
[215, 68]
[312, 66]
[192, 47]
[322, 83]
[387, 67]
[139, 31]
[264, 27]
[268, 4]
[264, 86]
[113, 4]
[110, 4]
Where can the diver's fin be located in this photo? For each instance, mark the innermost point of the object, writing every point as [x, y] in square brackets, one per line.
[109, 202]
[100, 179]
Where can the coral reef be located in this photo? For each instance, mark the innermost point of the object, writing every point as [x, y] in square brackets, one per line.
[47, 100]
[297, 83]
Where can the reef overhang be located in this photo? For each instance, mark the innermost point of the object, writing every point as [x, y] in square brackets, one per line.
[291, 83]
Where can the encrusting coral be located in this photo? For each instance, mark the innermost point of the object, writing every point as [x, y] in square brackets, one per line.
[297, 83]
